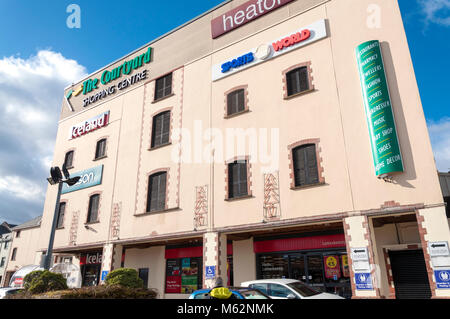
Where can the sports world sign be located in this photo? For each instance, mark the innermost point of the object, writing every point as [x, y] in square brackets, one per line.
[380, 118]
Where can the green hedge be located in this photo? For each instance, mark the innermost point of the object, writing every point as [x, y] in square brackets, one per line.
[125, 277]
[38, 282]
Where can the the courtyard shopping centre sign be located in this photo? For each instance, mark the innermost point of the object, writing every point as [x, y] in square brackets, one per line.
[109, 76]
[380, 118]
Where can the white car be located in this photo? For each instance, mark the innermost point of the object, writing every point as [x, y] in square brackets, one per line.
[8, 291]
[288, 289]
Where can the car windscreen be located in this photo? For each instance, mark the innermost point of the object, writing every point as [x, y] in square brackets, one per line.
[253, 294]
[302, 289]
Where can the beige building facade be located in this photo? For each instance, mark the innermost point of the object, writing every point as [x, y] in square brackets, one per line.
[248, 156]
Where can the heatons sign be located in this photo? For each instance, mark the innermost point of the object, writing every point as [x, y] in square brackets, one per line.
[109, 76]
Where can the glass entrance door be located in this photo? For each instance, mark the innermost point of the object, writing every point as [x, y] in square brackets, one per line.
[297, 267]
[315, 272]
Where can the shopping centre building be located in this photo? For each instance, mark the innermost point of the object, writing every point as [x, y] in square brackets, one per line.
[263, 139]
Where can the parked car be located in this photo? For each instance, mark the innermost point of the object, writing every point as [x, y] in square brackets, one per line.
[238, 292]
[8, 291]
[288, 289]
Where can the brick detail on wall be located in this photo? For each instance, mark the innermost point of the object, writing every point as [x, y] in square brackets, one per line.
[201, 207]
[391, 284]
[246, 100]
[310, 79]
[272, 205]
[422, 233]
[115, 220]
[74, 229]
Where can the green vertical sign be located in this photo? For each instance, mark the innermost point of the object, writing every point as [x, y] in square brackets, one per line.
[383, 134]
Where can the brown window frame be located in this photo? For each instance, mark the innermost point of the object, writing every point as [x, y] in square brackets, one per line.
[65, 158]
[14, 254]
[167, 90]
[161, 205]
[320, 170]
[229, 179]
[245, 106]
[60, 221]
[154, 136]
[97, 155]
[291, 69]
[89, 212]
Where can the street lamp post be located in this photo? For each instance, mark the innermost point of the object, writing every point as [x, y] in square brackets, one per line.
[56, 178]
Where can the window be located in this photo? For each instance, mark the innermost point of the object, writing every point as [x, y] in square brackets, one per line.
[6, 245]
[100, 150]
[297, 81]
[14, 253]
[62, 210]
[279, 291]
[143, 274]
[447, 206]
[261, 287]
[161, 129]
[236, 102]
[18, 234]
[68, 160]
[156, 197]
[2, 263]
[163, 87]
[94, 202]
[305, 165]
[237, 179]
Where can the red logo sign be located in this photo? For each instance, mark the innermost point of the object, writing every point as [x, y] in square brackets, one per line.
[291, 40]
[243, 14]
[89, 125]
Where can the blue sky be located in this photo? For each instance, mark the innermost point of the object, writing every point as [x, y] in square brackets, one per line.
[39, 53]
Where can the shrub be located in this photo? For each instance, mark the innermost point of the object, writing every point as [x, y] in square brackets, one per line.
[109, 292]
[46, 281]
[125, 277]
[29, 278]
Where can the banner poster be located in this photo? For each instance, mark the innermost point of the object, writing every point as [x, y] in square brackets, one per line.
[345, 268]
[386, 153]
[332, 267]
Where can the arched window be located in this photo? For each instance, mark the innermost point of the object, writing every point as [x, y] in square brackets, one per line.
[94, 203]
[305, 165]
[236, 102]
[68, 159]
[161, 129]
[156, 196]
[100, 150]
[297, 81]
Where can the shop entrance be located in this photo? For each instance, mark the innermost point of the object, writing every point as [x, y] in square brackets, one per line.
[410, 274]
[325, 271]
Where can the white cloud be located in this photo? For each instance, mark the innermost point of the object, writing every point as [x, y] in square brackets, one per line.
[31, 93]
[436, 11]
[440, 140]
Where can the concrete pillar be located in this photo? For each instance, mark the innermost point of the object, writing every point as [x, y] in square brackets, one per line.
[244, 261]
[358, 237]
[214, 258]
[111, 259]
[434, 230]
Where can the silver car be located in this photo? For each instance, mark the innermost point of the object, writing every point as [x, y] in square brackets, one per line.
[8, 291]
[288, 289]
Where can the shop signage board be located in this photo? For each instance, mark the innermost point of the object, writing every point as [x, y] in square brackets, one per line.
[284, 44]
[359, 254]
[386, 153]
[89, 125]
[439, 248]
[89, 178]
[442, 279]
[210, 272]
[363, 281]
[243, 14]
